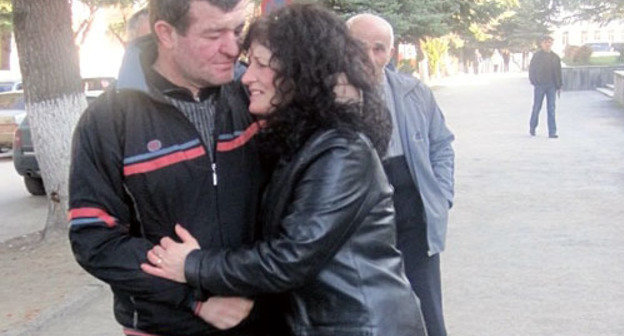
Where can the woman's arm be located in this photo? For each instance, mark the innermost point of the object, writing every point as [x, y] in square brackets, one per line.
[327, 207]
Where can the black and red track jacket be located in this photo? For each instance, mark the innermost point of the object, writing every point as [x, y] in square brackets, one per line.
[139, 167]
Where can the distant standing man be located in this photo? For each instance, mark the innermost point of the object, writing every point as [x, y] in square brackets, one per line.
[545, 75]
[419, 165]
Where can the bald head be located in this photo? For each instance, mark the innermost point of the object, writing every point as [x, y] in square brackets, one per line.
[378, 36]
[138, 25]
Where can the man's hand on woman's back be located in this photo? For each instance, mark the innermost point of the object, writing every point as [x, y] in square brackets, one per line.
[225, 312]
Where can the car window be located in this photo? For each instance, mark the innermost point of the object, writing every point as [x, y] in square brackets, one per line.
[599, 46]
[12, 101]
[6, 87]
[97, 83]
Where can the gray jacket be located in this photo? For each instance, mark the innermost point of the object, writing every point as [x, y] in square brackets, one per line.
[426, 142]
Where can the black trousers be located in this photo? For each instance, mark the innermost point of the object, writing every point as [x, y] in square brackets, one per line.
[423, 273]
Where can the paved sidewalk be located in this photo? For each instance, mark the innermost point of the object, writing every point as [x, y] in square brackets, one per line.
[536, 239]
[20, 212]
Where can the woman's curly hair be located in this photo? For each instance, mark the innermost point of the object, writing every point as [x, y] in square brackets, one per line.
[311, 47]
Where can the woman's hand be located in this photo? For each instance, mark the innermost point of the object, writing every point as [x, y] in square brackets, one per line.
[225, 312]
[345, 92]
[167, 259]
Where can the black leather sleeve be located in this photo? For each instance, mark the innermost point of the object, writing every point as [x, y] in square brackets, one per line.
[329, 200]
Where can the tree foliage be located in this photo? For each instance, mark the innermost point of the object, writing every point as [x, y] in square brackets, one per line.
[527, 22]
[602, 11]
[411, 19]
[80, 34]
[473, 21]
[6, 15]
[435, 48]
[6, 28]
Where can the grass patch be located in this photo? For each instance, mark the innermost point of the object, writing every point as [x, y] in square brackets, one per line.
[605, 60]
[600, 60]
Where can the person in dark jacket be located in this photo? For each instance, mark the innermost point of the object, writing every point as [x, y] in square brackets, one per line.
[173, 145]
[328, 245]
[545, 75]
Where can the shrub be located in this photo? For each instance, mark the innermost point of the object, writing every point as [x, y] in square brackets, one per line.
[577, 55]
[406, 66]
[434, 48]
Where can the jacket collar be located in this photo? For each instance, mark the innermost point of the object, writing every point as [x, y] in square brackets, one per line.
[400, 84]
[136, 73]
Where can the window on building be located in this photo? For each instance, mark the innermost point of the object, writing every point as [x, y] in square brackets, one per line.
[597, 35]
[611, 36]
[583, 37]
[565, 37]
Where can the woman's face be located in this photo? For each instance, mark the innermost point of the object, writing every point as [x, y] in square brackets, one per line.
[259, 79]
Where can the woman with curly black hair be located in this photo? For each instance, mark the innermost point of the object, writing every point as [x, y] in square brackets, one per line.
[328, 244]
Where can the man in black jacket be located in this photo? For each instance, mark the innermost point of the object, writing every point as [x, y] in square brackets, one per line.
[545, 75]
[174, 145]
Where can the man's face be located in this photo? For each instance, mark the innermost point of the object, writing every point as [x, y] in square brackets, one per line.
[205, 55]
[546, 44]
[378, 42]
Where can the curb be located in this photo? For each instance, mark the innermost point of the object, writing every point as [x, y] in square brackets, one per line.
[74, 302]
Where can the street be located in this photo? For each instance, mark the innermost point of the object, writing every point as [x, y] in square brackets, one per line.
[536, 237]
[20, 212]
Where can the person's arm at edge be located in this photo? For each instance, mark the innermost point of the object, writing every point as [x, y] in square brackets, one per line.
[441, 153]
[100, 219]
[532, 65]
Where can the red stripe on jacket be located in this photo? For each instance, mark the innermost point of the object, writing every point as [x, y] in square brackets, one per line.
[197, 307]
[92, 212]
[132, 332]
[164, 161]
[242, 139]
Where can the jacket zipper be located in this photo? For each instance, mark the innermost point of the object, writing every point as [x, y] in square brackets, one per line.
[135, 314]
[215, 179]
[214, 174]
[212, 158]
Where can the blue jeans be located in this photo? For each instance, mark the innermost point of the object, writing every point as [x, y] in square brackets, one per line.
[538, 97]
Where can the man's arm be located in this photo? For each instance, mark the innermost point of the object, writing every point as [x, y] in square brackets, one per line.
[100, 216]
[532, 69]
[441, 154]
[558, 73]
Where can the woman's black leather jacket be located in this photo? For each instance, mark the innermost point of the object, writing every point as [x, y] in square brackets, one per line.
[328, 246]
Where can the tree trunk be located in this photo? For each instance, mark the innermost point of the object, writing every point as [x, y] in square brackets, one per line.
[54, 100]
[5, 50]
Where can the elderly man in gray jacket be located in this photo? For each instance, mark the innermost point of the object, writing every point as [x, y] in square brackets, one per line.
[419, 164]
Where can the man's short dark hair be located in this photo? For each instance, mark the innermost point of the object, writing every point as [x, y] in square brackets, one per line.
[546, 38]
[175, 12]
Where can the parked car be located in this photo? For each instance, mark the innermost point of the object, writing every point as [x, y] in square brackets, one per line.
[617, 46]
[602, 49]
[8, 125]
[24, 158]
[10, 86]
[97, 83]
[25, 161]
[11, 115]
